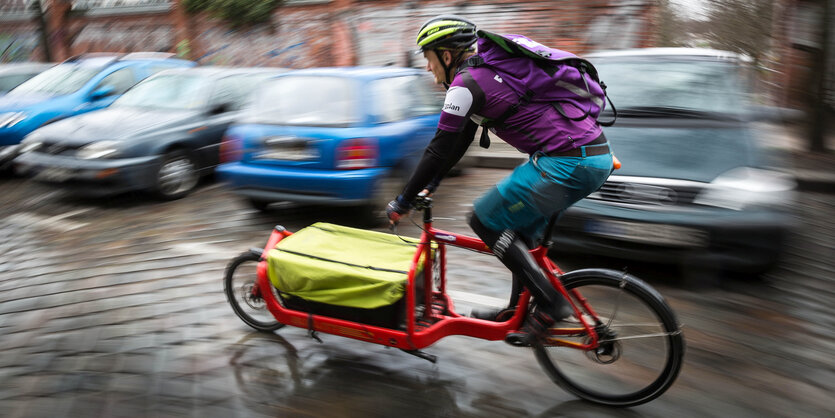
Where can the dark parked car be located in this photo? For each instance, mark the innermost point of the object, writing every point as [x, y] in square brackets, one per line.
[78, 85]
[161, 135]
[332, 136]
[696, 188]
[13, 75]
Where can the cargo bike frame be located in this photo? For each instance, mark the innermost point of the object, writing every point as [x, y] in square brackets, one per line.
[595, 341]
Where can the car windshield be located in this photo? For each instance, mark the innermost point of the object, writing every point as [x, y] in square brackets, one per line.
[58, 80]
[8, 82]
[668, 83]
[166, 91]
[306, 101]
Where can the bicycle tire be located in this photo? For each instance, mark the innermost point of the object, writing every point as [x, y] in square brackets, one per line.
[234, 292]
[582, 381]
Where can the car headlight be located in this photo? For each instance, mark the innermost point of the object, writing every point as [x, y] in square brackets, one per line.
[99, 149]
[745, 187]
[9, 119]
[7, 150]
[29, 146]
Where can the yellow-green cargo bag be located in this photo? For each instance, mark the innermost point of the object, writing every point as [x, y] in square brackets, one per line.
[344, 272]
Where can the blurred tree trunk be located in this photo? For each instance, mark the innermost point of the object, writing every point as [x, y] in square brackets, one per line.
[741, 26]
[43, 30]
[818, 105]
[670, 26]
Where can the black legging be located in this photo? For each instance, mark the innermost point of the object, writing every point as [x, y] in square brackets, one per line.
[512, 251]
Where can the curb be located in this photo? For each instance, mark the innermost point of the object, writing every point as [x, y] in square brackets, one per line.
[807, 180]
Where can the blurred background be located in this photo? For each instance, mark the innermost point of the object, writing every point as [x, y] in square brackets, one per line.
[144, 143]
[790, 42]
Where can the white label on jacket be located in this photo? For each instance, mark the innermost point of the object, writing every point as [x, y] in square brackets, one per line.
[458, 101]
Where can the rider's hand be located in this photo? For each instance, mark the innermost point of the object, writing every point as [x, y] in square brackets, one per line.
[395, 210]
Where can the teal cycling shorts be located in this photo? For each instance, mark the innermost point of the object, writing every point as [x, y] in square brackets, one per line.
[525, 200]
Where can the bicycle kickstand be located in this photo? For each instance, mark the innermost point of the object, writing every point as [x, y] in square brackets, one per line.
[417, 353]
[311, 332]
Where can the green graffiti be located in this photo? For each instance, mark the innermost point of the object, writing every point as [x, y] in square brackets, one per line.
[184, 49]
[14, 48]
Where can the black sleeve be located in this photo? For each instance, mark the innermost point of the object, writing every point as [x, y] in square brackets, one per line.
[442, 153]
[462, 145]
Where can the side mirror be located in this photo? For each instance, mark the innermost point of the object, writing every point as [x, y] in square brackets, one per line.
[102, 92]
[219, 108]
[775, 114]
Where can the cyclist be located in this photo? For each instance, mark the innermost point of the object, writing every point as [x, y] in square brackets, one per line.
[568, 161]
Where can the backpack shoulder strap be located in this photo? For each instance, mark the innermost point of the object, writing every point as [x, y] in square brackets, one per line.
[473, 61]
[476, 61]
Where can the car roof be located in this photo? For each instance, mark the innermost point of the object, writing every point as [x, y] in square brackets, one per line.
[361, 72]
[697, 53]
[219, 71]
[107, 58]
[23, 67]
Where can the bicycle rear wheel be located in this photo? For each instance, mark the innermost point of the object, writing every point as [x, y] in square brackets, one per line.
[641, 348]
[238, 283]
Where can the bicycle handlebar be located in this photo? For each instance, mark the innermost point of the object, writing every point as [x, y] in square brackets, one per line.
[422, 203]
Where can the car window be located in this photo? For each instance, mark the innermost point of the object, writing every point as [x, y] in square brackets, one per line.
[306, 100]
[234, 90]
[389, 99]
[58, 80]
[397, 98]
[167, 91]
[429, 97]
[155, 68]
[121, 80]
[702, 85]
[8, 82]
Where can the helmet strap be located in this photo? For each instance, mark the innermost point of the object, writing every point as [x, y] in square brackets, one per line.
[446, 81]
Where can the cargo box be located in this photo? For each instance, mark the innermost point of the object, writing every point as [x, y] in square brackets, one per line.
[346, 273]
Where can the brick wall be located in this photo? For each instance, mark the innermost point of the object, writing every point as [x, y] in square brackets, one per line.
[795, 46]
[344, 32]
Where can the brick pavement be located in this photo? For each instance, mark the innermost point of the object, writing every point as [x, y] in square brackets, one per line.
[118, 310]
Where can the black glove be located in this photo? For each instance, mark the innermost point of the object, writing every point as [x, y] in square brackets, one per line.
[396, 208]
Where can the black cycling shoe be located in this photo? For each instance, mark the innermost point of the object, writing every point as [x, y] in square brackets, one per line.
[535, 328]
[492, 314]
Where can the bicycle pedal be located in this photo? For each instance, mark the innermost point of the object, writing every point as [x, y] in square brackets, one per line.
[517, 340]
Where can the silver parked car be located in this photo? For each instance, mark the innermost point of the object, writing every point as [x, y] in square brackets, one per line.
[14, 74]
[697, 187]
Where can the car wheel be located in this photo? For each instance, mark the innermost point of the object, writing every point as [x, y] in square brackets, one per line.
[259, 205]
[176, 176]
[385, 190]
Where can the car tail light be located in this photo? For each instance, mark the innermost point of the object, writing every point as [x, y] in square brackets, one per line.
[230, 149]
[357, 153]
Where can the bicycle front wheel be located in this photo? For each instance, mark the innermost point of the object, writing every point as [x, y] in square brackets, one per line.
[238, 283]
[641, 346]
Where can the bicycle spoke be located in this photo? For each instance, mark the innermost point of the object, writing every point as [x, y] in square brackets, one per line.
[617, 302]
[632, 337]
[639, 350]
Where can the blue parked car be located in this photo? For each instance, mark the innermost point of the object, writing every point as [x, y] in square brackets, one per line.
[78, 85]
[332, 136]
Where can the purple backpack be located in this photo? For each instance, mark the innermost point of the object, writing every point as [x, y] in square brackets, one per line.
[538, 73]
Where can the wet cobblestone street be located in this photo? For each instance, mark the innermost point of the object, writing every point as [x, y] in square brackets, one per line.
[115, 307]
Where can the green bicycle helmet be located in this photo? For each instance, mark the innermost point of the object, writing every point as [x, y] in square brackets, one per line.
[446, 32]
